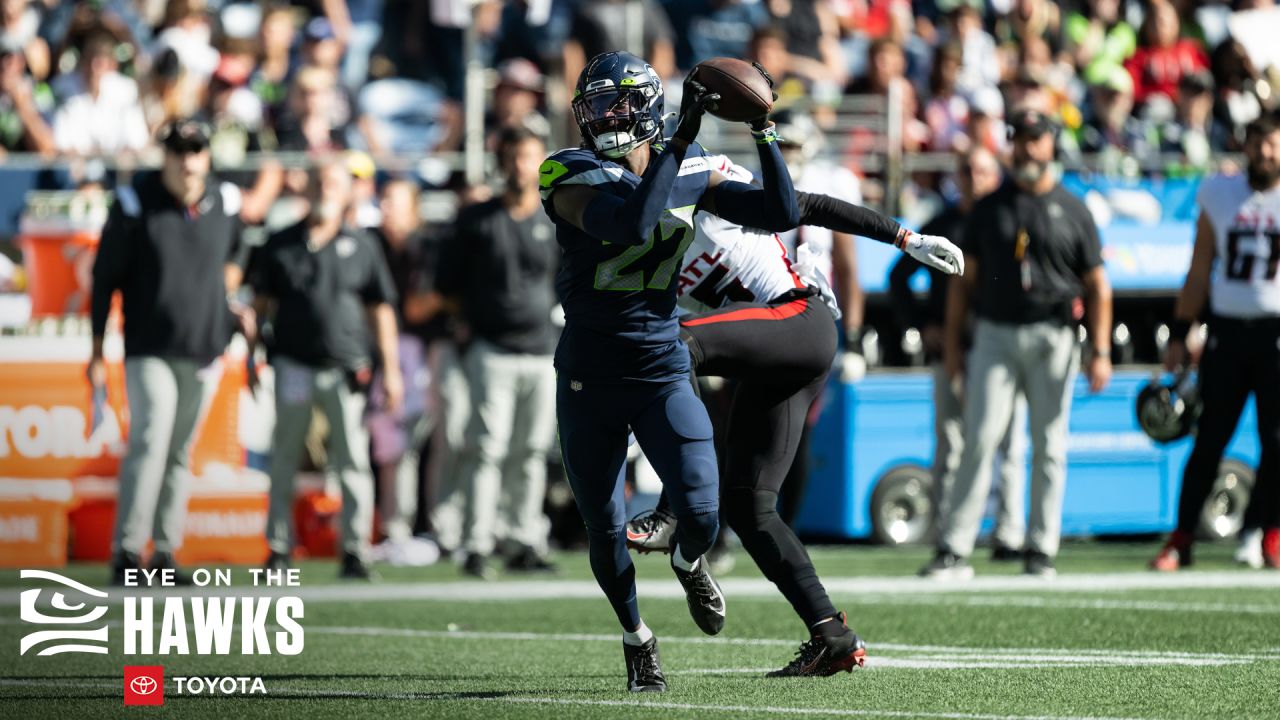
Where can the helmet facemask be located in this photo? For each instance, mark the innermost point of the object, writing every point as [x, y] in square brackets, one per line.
[617, 120]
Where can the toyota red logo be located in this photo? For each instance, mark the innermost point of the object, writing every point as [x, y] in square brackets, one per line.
[143, 685]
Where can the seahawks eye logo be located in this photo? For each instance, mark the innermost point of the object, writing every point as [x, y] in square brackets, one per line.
[66, 639]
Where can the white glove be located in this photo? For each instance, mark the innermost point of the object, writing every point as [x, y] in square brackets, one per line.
[935, 251]
[853, 367]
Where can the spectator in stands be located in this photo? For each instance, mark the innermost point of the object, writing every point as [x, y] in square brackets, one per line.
[24, 105]
[813, 43]
[886, 66]
[977, 175]
[1030, 19]
[516, 101]
[236, 115]
[307, 125]
[1099, 39]
[946, 112]
[1163, 56]
[601, 26]
[186, 30]
[19, 30]
[499, 271]
[321, 49]
[100, 113]
[172, 248]
[1240, 90]
[1111, 123]
[399, 437]
[981, 66]
[1191, 133]
[768, 46]
[271, 78]
[170, 91]
[366, 210]
[713, 28]
[330, 298]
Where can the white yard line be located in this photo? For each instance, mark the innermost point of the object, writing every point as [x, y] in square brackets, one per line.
[630, 705]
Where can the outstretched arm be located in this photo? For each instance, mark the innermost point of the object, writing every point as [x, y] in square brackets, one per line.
[840, 216]
[771, 207]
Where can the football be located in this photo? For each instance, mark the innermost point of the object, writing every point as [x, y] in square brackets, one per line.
[744, 93]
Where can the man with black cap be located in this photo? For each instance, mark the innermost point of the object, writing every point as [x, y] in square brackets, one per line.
[172, 247]
[1031, 253]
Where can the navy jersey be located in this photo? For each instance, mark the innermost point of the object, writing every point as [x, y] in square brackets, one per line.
[620, 300]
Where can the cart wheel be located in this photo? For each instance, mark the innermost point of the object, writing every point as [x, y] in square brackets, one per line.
[1223, 512]
[902, 507]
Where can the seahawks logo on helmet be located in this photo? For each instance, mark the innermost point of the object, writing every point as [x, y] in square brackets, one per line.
[1168, 410]
[617, 104]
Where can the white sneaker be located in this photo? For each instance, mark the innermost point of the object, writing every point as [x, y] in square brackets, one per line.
[1249, 552]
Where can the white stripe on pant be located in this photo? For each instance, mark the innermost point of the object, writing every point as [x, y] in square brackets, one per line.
[165, 397]
[297, 388]
[1041, 360]
[503, 464]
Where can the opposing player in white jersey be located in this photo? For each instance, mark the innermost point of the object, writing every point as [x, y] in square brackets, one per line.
[1234, 268]
[771, 327]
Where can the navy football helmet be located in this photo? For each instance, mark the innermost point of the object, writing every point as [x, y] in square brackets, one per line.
[617, 103]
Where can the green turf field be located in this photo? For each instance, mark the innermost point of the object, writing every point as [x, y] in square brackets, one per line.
[1105, 640]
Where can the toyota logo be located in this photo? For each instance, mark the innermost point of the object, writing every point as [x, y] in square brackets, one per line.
[143, 685]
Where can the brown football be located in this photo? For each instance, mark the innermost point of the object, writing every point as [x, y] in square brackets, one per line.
[744, 93]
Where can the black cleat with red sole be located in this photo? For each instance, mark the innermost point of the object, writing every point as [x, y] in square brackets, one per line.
[826, 655]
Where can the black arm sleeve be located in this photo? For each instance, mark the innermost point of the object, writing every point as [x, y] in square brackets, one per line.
[828, 212]
[631, 221]
[109, 266]
[771, 207]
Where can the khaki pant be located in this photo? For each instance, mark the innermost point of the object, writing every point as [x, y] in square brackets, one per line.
[1040, 360]
[297, 389]
[165, 398]
[948, 428]
[503, 464]
[451, 396]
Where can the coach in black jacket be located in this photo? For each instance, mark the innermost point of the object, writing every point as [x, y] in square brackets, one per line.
[171, 247]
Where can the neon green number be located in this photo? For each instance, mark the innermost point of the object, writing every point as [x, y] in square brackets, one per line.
[609, 275]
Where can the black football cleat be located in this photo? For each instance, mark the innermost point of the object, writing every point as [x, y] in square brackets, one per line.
[706, 601]
[353, 568]
[826, 655]
[652, 533]
[161, 561]
[644, 667]
[121, 561]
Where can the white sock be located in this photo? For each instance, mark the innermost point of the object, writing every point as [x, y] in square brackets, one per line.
[641, 636]
[677, 559]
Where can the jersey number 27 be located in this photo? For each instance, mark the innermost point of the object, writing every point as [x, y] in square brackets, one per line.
[655, 260]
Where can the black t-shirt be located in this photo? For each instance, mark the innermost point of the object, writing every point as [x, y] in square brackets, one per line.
[413, 270]
[167, 261]
[1060, 243]
[322, 295]
[503, 270]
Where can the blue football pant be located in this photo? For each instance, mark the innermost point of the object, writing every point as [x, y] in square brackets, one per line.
[672, 427]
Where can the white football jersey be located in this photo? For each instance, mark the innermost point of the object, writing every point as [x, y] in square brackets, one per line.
[826, 179]
[729, 263]
[1246, 226]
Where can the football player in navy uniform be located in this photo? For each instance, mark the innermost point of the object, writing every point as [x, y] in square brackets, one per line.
[623, 206]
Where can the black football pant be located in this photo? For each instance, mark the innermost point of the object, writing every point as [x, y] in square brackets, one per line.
[1240, 357]
[779, 353]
